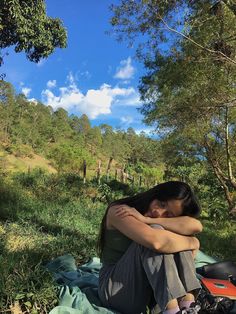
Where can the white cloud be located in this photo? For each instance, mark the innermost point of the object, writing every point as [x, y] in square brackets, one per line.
[41, 63]
[26, 91]
[93, 103]
[127, 120]
[33, 100]
[125, 70]
[51, 83]
[132, 101]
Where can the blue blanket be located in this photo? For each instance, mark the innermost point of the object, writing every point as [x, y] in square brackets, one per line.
[78, 285]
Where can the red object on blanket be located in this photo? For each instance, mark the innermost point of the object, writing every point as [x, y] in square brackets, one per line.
[219, 287]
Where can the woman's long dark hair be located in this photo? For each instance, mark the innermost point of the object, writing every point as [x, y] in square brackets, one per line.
[171, 190]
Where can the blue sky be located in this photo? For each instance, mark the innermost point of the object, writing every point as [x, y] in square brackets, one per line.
[94, 75]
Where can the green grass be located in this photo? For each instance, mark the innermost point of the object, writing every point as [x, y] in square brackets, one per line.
[218, 239]
[44, 217]
[38, 224]
[28, 243]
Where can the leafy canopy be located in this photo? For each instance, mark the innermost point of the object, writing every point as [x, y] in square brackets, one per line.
[25, 25]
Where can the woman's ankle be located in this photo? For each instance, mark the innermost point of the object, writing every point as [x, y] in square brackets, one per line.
[172, 307]
[172, 310]
[186, 301]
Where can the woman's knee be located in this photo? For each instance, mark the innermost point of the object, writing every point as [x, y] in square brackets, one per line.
[157, 226]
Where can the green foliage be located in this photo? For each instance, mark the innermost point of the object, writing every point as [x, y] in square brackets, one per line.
[105, 193]
[188, 89]
[32, 179]
[69, 157]
[25, 25]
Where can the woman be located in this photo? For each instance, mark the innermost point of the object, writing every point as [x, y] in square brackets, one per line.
[147, 248]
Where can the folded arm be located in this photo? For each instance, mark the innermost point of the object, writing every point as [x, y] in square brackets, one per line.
[163, 241]
[183, 225]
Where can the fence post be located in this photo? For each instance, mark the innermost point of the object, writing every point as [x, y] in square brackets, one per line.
[140, 180]
[133, 180]
[122, 175]
[99, 172]
[109, 167]
[125, 175]
[116, 174]
[84, 171]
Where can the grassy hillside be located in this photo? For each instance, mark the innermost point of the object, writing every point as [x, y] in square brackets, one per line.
[12, 162]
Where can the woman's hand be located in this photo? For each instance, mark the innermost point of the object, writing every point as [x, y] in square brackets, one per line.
[125, 210]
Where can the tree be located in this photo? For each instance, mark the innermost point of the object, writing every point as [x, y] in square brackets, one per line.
[25, 25]
[163, 22]
[69, 157]
[84, 124]
[94, 139]
[61, 123]
[7, 101]
[190, 81]
[115, 144]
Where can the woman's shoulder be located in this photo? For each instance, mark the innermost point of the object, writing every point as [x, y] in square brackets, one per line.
[110, 214]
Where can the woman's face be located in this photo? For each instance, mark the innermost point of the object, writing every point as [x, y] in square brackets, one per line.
[158, 209]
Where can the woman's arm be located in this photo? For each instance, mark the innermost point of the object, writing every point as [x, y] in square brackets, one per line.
[183, 225]
[163, 241]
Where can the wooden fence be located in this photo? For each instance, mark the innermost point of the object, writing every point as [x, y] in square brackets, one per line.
[119, 174]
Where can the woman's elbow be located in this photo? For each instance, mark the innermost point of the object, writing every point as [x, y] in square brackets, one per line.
[153, 242]
[159, 243]
[156, 246]
[198, 227]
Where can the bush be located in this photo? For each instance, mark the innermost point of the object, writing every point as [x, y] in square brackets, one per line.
[31, 179]
[10, 196]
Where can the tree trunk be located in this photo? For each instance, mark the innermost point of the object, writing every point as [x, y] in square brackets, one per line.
[224, 180]
[84, 171]
[227, 148]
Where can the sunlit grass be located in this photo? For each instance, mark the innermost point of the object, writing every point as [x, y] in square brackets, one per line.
[36, 235]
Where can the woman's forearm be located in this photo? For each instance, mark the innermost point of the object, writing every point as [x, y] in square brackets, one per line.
[183, 225]
[171, 243]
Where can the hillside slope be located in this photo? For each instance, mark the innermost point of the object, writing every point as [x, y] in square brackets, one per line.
[12, 163]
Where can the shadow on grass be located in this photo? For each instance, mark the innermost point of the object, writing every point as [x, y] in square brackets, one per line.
[22, 270]
[25, 280]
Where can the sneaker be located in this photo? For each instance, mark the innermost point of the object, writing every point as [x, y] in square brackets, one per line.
[193, 309]
[214, 305]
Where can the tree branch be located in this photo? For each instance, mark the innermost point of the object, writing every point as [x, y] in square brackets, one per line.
[231, 5]
[196, 43]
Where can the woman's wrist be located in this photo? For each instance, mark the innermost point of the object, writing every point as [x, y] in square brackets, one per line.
[149, 220]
